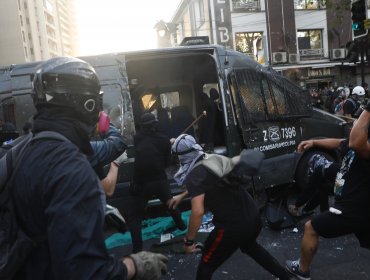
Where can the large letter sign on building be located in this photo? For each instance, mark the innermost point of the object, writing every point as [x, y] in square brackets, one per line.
[223, 23]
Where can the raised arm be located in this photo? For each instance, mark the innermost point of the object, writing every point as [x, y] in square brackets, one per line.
[358, 139]
[108, 149]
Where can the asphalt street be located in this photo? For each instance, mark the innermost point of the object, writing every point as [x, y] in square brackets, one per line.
[337, 259]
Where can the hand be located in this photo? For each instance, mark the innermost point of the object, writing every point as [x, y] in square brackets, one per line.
[174, 202]
[171, 203]
[172, 140]
[305, 145]
[121, 159]
[193, 249]
[149, 265]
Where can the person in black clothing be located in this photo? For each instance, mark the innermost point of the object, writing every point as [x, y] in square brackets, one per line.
[235, 214]
[152, 156]
[353, 102]
[351, 210]
[56, 193]
[207, 123]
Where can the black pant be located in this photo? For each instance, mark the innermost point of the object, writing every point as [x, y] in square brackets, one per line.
[315, 194]
[221, 244]
[136, 210]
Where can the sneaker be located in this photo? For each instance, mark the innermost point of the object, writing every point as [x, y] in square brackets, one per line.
[293, 267]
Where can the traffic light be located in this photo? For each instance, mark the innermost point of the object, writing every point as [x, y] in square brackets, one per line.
[359, 15]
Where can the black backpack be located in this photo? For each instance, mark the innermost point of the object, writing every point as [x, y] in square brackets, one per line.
[15, 244]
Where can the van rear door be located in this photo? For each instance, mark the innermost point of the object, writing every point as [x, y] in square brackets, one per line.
[267, 123]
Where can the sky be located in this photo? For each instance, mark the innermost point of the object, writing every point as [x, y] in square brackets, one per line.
[106, 26]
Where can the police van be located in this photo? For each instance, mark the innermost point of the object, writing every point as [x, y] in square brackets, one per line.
[256, 107]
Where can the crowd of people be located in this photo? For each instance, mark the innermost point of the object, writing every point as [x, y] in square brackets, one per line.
[59, 188]
[346, 101]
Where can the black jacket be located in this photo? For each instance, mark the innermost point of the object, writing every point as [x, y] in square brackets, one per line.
[58, 196]
[152, 156]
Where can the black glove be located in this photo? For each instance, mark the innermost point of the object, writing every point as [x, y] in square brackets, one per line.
[367, 106]
[149, 266]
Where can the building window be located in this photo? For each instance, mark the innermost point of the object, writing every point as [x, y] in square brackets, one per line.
[309, 4]
[24, 37]
[250, 43]
[19, 5]
[48, 6]
[199, 13]
[25, 52]
[247, 5]
[310, 44]
[21, 20]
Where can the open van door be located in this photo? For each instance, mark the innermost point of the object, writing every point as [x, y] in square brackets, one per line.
[266, 123]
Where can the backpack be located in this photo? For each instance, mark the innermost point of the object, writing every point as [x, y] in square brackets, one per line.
[247, 164]
[234, 173]
[15, 244]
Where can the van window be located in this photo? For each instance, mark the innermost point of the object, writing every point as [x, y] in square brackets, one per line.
[290, 100]
[250, 91]
[148, 100]
[170, 99]
[281, 104]
[8, 128]
[7, 112]
[119, 111]
[270, 103]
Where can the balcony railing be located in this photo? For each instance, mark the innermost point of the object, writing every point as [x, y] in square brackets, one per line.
[311, 54]
[247, 5]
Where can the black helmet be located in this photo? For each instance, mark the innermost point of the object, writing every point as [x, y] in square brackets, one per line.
[68, 82]
[148, 119]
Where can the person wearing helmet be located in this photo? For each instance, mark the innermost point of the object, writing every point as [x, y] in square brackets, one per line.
[57, 195]
[152, 156]
[235, 215]
[353, 102]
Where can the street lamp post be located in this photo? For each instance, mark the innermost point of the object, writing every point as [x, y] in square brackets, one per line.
[165, 30]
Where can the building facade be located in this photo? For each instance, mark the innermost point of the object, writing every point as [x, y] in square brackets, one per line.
[32, 30]
[302, 39]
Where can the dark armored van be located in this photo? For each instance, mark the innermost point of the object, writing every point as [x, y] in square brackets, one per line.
[256, 107]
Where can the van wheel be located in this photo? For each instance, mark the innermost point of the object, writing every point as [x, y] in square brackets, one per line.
[301, 175]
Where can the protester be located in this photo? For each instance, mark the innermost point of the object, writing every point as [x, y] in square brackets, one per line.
[331, 95]
[57, 196]
[152, 156]
[351, 210]
[110, 150]
[235, 215]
